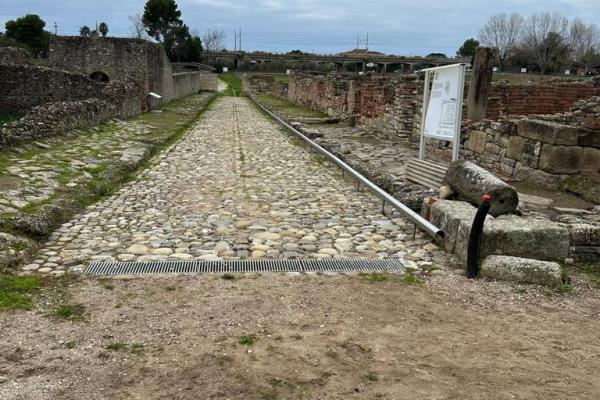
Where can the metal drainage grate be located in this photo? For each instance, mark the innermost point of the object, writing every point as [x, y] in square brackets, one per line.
[221, 266]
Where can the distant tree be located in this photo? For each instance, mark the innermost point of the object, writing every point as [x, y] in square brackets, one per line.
[191, 49]
[436, 55]
[160, 18]
[584, 40]
[29, 30]
[85, 31]
[468, 48]
[502, 32]
[103, 28]
[138, 28]
[545, 41]
[214, 40]
[8, 42]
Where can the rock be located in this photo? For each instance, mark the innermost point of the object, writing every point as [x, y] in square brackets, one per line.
[430, 247]
[329, 251]
[446, 192]
[448, 216]
[569, 261]
[524, 270]
[584, 234]
[163, 251]
[133, 157]
[267, 236]
[258, 254]
[410, 266]
[471, 182]
[137, 249]
[343, 244]
[44, 270]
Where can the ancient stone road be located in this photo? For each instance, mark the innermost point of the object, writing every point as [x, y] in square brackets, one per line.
[236, 186]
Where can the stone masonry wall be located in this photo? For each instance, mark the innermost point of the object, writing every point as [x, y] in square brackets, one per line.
[24, 87]
[118, 99]
[14, 56]
[187, 83]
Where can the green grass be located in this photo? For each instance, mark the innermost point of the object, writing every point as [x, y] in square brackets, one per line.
[282, 78]
[247, 340]
[411, 279]
[15, 291]
[228, 277]
[6, 117]
[234, 84]
[287, 108]
[69, 312]
[375, 276]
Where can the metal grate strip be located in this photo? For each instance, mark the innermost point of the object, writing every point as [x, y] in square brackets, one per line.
[240, 266]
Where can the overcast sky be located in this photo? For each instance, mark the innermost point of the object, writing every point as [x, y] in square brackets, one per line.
[402, 27]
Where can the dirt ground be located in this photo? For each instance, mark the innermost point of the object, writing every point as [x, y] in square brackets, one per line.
[304, 336]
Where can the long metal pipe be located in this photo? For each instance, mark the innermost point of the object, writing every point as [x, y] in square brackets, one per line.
[432, 230]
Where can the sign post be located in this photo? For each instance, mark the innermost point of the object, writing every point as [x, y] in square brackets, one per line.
[442, 106]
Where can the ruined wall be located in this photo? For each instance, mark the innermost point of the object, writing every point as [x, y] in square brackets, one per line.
[119, 99]
[24, 87]
[187, 83]
[526, 99]
[14, 56]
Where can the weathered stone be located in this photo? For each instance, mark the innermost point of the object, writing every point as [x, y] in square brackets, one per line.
[267, 236]
[477, 141]
[549, 132]
[137, 249]
[561, 159]
[524, 270]
[519, 237]
[448, 215]
[515, 148]
[584, 234]
[590, 160]
[472, 182]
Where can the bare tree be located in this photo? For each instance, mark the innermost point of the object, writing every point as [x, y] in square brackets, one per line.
[138, 30]
[214, 40]
[584, 40]
[502, 32]
[545, 40]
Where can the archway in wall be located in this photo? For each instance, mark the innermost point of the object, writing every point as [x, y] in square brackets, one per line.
[100, 76]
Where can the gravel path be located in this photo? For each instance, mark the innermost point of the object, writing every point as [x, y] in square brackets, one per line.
[235, 187]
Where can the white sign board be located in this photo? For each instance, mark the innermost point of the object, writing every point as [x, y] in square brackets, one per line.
[442, 110]
[523, 70]
[443, 99]
[495, 69]
[225, 69]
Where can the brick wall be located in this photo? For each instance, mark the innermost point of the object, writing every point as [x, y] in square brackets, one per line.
[527, 99]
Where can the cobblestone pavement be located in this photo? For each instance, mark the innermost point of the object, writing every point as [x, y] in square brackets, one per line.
[236, 186]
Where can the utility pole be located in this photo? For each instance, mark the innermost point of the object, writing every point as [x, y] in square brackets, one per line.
[235, 41]
[240, 39]
[367, 41]
[357, 39]
[55, 29]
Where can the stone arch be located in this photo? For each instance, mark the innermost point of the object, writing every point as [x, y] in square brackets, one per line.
[100, 76]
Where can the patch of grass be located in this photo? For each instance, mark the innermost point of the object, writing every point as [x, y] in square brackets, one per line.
[15, 291]
[105, 283]
[71, 344]
[228, 277]
[566, 285]
[71, 312]
[170, 288]
[234, 84]
[520, 290]
[117, 346]
[248, 340]
[376, 276]
[287, 108]
[411, 279]
[133, 348]
[331, 354]
[372, 376]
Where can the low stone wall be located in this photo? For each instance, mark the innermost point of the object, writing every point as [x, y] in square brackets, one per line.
[116, 100]
[14, 56]
[187, 83]
[24, 87]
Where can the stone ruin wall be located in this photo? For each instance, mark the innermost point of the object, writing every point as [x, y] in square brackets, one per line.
[545, 147]
[24, 87]
[14, 56]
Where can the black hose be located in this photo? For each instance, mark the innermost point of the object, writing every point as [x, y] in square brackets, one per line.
[475, 237]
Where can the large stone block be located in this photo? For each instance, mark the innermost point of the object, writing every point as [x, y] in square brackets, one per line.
[591, 159]
[549, 132]
[521, 270]
[448, 216]
[584, 234]
[515, 146]
[477, 141]
[561, 159]
[516, 236]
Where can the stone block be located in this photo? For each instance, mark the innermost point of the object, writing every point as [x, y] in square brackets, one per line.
[448, 216]
[514, 149]
[521, 270]
[477, 141]
[590, 160]
[584, 234]
[561, 159]
[549, 132]
[516, 236]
